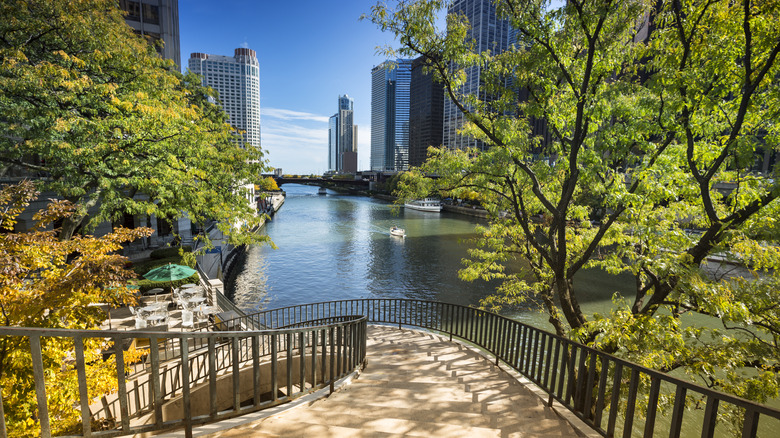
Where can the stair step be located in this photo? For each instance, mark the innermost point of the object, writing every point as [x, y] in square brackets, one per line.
[367, 410]
[288, 426]
[388, 425]
[420, 384]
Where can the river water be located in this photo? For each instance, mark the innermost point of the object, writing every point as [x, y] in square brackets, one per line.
[338, 246]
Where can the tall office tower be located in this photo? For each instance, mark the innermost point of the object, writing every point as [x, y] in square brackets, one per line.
[390, 87]
[333, 142]
[342, 138]
[157, 20]
[489, 33]
[425, 113]
[237, 79]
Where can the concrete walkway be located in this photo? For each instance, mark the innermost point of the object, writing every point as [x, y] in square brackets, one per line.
[416, 384]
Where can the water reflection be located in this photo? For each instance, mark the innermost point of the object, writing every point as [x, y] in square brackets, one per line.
[339, 247]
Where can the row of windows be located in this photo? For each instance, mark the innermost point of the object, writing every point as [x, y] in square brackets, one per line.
[135, 10]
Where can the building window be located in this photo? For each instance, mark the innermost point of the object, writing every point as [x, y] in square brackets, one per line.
[132, 8]
[151, 14]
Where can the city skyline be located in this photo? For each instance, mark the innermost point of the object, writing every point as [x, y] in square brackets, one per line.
[299, 75]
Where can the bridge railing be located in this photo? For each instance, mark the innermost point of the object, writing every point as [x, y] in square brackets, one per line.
[613, 396]
[197, 382]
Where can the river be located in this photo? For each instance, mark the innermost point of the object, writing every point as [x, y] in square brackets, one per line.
[338, 246]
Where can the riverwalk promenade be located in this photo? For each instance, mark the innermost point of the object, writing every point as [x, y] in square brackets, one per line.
[414, 384]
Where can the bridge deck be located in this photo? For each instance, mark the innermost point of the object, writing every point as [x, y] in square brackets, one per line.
[414, 384]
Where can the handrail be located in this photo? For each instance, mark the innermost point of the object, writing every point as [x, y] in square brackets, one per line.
[613, 396]
[301, 360]
[609, 394]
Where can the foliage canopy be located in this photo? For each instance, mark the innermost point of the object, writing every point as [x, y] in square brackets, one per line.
[50, 283]
[92, 109]
[643, 168]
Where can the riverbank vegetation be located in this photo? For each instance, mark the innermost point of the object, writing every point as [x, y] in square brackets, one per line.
[46, 282]
[643, 166]
[96, 116]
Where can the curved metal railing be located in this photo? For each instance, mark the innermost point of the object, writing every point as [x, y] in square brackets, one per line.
[613, 396]
[196, 384]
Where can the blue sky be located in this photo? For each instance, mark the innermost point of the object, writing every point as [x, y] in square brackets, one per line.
[310, 52]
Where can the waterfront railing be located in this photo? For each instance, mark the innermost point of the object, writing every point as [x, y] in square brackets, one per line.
[193, 378]
[310, 346]
[613, 396]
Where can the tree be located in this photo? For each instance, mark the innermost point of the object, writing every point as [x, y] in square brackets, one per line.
[267, 184]
[109, 125]
[42, 284]
[648, 139]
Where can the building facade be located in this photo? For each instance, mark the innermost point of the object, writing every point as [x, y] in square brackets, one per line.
[425, 113]
[333, 142]
[390, 99]
[158, 22]
[237, 79]
[342, 138]
[489, 32]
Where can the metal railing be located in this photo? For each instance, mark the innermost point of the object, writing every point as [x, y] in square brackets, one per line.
[211, 375]
[611, 395]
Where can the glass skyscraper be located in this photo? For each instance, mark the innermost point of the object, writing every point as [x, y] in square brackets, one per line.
[425, 113]
[342, 138]
[489, 33]
[390, 93]
[158, 21]
[237, 79]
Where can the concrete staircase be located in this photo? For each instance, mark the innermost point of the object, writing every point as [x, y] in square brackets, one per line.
[418, 384]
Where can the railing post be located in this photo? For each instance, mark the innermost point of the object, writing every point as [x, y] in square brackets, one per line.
[185, 373]
[122, 390]
[212, 359]
[633, 385]
[710, 417]
[332, 360]
[236, 373]
[289, 340]
[302, 361]
[750, 424]
[40, 385]
[86, 420]
[256, 370]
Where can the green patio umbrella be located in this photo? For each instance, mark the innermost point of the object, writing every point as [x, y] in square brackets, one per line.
[169, 272]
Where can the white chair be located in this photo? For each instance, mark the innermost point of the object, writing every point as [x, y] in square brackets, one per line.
[139, 316]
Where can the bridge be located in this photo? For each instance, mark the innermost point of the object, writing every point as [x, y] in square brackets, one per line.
[186, 379]
[322, 182]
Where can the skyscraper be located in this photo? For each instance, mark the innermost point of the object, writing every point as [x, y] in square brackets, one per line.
[237, 79]
[157, 20]
[333, 143]
[425, 113]
[390, 88]
[489, 33]
[342, 138]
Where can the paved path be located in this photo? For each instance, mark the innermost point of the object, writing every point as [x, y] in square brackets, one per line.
[418, 384]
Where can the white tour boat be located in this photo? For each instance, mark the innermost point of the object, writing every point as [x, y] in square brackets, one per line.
[322, 191]
[395, 231]
[427, 204]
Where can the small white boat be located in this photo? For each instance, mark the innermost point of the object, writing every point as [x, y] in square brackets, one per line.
[322, 191]
[428, 204]
[395, 231]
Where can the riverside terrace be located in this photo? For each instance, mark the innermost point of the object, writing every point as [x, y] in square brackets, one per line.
[186, 382]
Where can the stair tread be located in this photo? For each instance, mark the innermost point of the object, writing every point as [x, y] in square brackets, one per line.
[419, 384]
